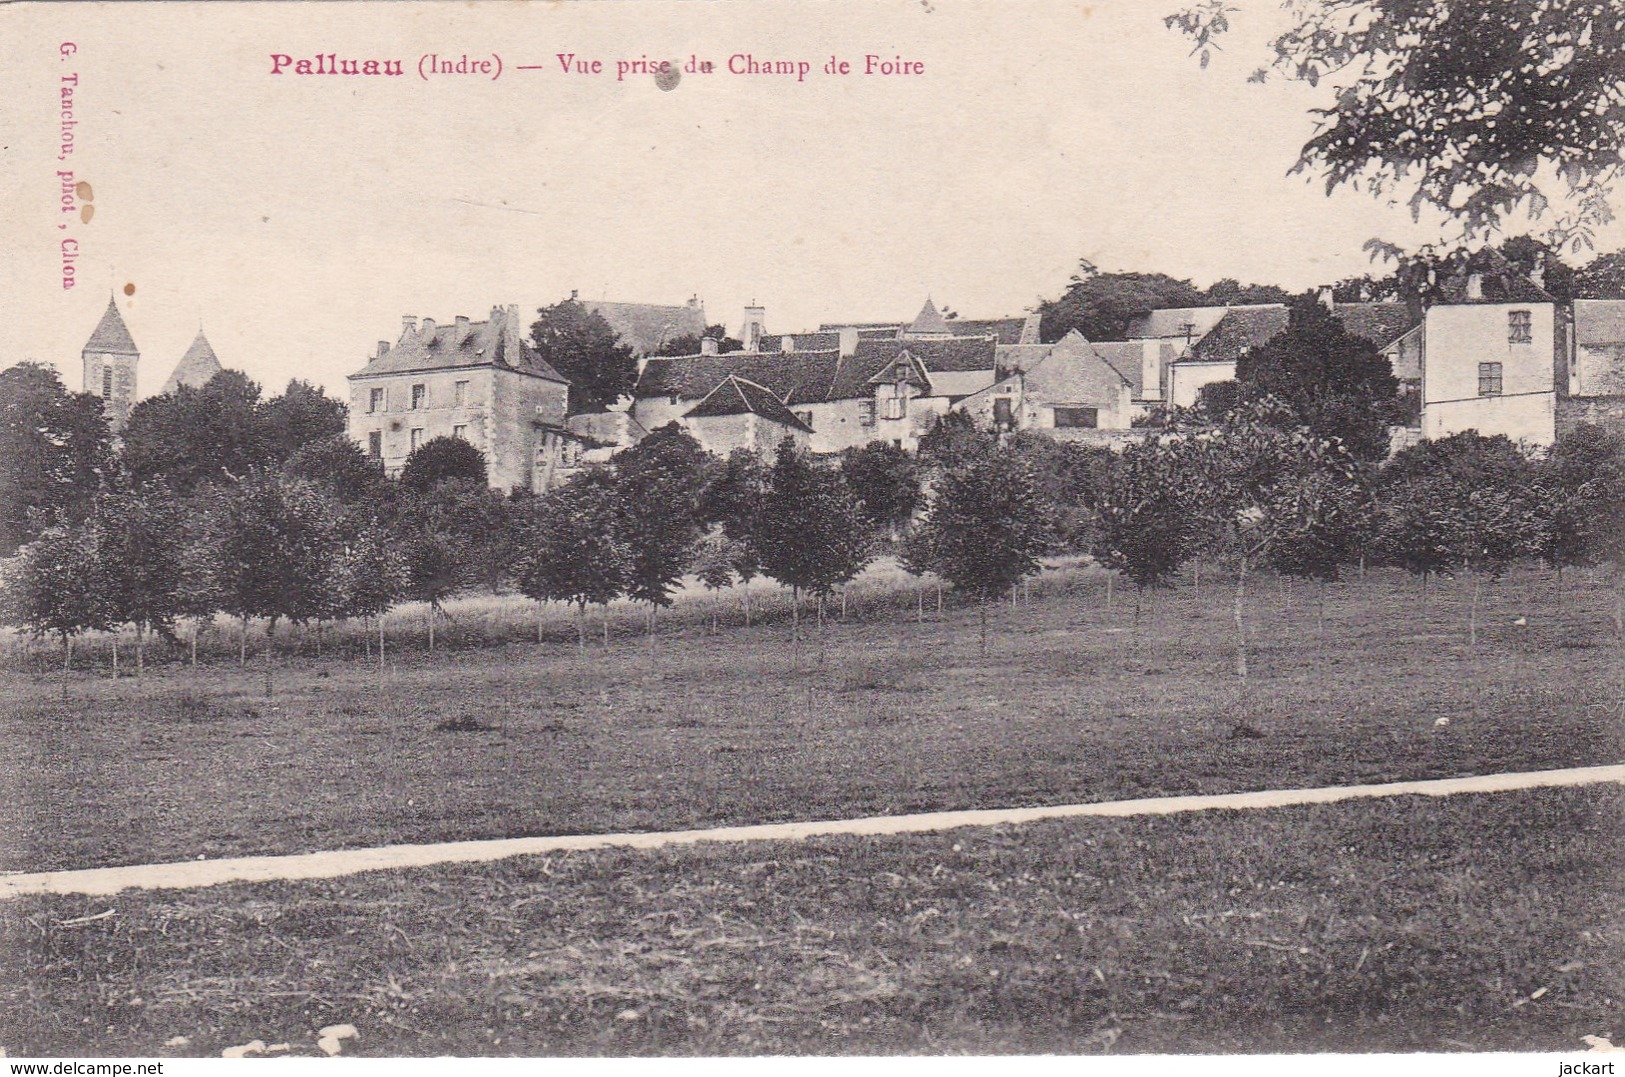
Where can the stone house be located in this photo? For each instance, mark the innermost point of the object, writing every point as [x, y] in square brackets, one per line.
[478, 381]
[1592, 389]
[740, 414]
[1072, 390]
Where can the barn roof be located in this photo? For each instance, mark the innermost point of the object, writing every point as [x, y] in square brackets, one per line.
[740, 396]
[493, 342]
[799, 377]
[1245, 328]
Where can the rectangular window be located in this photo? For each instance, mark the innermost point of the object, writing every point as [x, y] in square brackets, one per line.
[417, 397]
[375, 400]
[417, 437]
[460, 431]
[1519, 328]
[1489, 379]
[107, 382]
[866, 413]
[1078, 418]
[896, 407]
[462, 394]
[1003, 414]
[805, 416]
[375, 444]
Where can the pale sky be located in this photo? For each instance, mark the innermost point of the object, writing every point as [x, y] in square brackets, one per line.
[298, 218]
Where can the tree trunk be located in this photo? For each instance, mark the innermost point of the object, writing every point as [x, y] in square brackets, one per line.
[115, 657]
[366, 640]
[820, 607]
[1197, 568]
[982, 605]
[431, 628]
[242, 643]
[1472, 612]
[795, 614]
[581, 627]
[1241, 622]
[605, 619]
[140, 651]
[1362, 566]
[1560, 585]
[1320, 609]
[1137, 595]
[1110, 575]
[715, 629]
[538, 620]
[197, 626]
[270, 642]
[939, 598]
[919, 607]
[746, 597]
[67, 652]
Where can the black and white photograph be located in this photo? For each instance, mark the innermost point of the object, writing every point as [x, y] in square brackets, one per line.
[1091, 533]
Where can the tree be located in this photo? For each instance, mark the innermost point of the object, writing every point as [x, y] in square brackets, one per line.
[302, 415]
[453, 535]
[1143, 527]
[197, 436]
[1463, 103]
[1230, 292]
[573, 550]
[1580, 493]
[1068, 478]
[952, 438]
[1601, 278]
[661, 484]
[1100, 305]
[1252, 481]
[689, 343]
[1333, 382]
[734, 500]
[886, 481]
[54, 452]
[141, 548]
[809, 535]
[984, 527]
[341, 467]
[580, 345]
[56, 588]
[714, 562]
[442, 459]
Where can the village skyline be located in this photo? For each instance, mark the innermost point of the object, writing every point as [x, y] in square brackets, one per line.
[297, 225]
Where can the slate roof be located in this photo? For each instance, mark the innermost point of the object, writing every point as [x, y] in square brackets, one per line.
[800, 377]
[1599, 321]
[1171, 321]
[646, 326]
[802, 342]
[955, 355]
[1499, 282]
[929, 321]
[739, 396]
[1127, 357]
[1244, 328]
[493, 342]
[111, 334]
[1007, 330]
[196, 367]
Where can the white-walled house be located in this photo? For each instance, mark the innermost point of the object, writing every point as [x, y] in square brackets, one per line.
[1491, 344]
[478, 381]
[1072, 390]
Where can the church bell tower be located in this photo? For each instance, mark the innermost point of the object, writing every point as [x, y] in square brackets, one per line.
[110, 358]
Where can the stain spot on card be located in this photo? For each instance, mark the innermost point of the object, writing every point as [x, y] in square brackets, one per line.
[668, 78]
[86, 212]
[82, 189]
[129, 289]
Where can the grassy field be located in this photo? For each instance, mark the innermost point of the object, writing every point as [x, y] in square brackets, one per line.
[496, 735]
[1486, 922]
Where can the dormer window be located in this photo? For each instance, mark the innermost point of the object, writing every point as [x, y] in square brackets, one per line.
[1520, 330]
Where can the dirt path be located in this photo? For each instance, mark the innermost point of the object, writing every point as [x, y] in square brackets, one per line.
[196, 873]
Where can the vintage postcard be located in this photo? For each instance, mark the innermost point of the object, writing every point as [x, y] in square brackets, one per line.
[916, 528]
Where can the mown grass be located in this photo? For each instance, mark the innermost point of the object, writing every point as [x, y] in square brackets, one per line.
[877, 715]
[1485, 922]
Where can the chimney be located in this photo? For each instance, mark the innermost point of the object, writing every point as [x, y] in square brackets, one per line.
[848, 335]
[1538, 276]
[754, 316]
[1328, 301]
[787, 344]
[409, 325]
[428, 328]
[708, 345]
[462, 321]
[1475, 286]
[1151, 369]
[383, 348]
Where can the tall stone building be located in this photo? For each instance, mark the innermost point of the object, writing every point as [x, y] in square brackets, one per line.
[110, 357]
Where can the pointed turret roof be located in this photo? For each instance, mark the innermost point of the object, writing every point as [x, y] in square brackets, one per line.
[196, 367]
[929, 321]
[111, 334]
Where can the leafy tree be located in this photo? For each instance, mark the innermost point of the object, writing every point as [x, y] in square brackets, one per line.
[1462, 103]
[341, 467]
[1540, 261]
[952, 438]
[582, 346]
[1335, 383]
[1580, 493]
[442, 459]
[886, 481]
[809, 535]
[1068, 477]
[197, 435]
[1230, 292]
[661, 483]
[55, 587]
[1602, 278]
[573, 549]
[689, 343]
[54, 449]
[141, 547]
[453, 535]
[1251, 482]
[302, 415]
[984, 528]
[1143, 527]
[714, 561]
[1100, 305]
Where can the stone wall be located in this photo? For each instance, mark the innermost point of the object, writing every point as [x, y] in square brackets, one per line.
[1607, 412]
